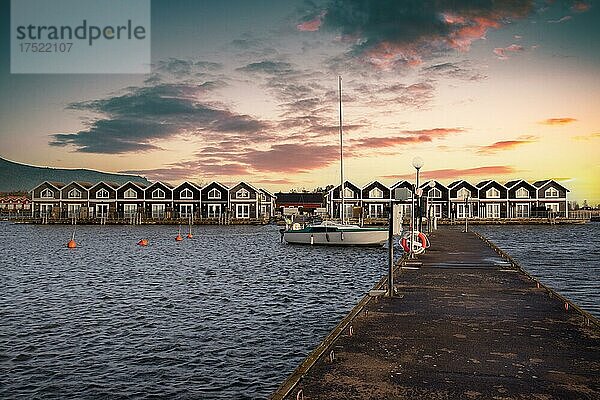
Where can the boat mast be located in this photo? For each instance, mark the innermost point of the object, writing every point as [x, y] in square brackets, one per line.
[341, 152]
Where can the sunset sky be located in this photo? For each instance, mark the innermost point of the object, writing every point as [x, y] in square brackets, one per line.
[247, 90]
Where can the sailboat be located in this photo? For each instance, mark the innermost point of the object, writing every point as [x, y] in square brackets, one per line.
[333, 233]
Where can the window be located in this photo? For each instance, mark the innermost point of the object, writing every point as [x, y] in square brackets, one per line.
[348, 193]
[522, 211]
[186, 210]
[492, 193]
[435, 193]
[47, 194]
[376, 193]
[492, 210]
[375, 210]
[263, 197]
[463, 193]
[102, 194]
[551, 192]
[242, 211]
[214, 210]
[214, 194]
[73, 210]
[242, 194]
[74, 194]
[158, 194]
[129, 210]
[522, 193]
[130, 194]
[463, 210]
[553, 207]
[186, 194]
[158, 211]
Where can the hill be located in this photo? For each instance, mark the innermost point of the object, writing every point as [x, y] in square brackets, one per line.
[21, 177]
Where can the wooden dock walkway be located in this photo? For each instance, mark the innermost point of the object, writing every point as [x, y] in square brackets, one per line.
[468, 324]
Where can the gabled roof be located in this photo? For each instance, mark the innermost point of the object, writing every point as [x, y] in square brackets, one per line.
[216, 183]
[487, 182]
[112, 185]
[189, 183]
[345, 183]
[483, 183]
[399, 183]
[451, 185]
[425, 184]
[372, 182]
[167, 185]
[513, 183]
[138, 185]
[265, 191]
[81, 184]
[539, 184]
[55, 185]
[245, 183]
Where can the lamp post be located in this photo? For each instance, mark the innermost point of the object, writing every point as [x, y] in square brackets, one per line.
[417, 162]
[429, 219]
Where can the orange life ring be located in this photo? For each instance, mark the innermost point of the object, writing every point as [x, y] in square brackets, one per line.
[422, 239]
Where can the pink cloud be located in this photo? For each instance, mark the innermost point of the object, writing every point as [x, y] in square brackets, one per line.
[580, 6]
[291, 158]
[311, 25]
[502, 52]
[407, 137]
[491, 171]
[502, 145]
[558, 121]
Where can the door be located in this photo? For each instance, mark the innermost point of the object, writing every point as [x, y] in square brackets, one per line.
[463, 210]
[45, 210]
[437, 210]
[186, 210]
[214, 210]
[73, 210]
[101, 210]
[242, 211]
[347, 211]
[129, 210]
[375, 210]
[158, 211]
[492, 210]
[522, 210]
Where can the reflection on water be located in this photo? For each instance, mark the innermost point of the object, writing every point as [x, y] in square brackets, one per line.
[227, 314]
[564, 257]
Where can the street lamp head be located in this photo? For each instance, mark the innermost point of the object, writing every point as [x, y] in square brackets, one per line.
[417, 162]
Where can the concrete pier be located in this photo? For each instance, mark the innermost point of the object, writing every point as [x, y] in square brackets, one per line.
[467, 324]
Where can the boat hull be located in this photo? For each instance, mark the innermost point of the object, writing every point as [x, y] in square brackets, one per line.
[339, 238]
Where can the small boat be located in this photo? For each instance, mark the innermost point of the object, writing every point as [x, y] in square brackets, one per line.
[331, 233]
[336, 234]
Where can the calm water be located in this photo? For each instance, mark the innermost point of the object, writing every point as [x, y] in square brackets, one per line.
[227, 314]
[564, 257]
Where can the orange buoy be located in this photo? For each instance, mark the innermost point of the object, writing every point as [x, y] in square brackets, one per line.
[178, 238]
[71, 244]
[189, 236]
[143, 242]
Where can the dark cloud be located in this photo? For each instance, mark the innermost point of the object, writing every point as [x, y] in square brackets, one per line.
[268, 67]
[456, 70]
[142, 115]
[388, 33]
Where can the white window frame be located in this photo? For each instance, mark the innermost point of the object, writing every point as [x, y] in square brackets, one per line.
[186, 194]
[463, 193]
[158, 211]
[73, 210]
[554, 207]
[46, 209]
[552, 192]
[242, 211]
[44, 194]
[492, 193]
[158, 193]
[102, 210]
[212, 195]
[130, 194]
[130, 210]
[435, 193]
[242, 194]
[522, 210]
[74, 194]
[102, 194]
[437, 210]
[376, 210]
[463, 210]
[492, 210]
[263, 197]
[376, 193]
[348, 193]
[214, 210]
[186, 210]
[522, 193]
